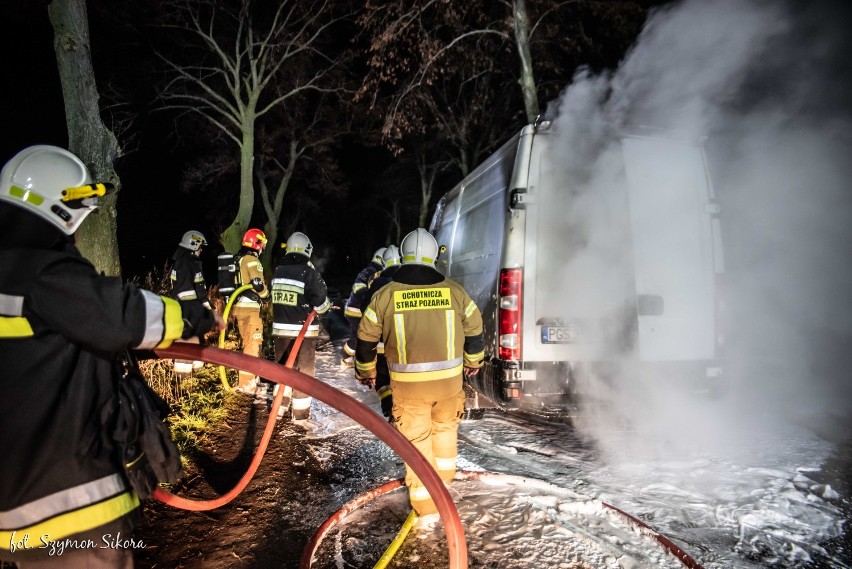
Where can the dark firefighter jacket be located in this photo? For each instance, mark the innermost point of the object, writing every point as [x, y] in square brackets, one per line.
[61, 327]
[297, 288]
[381, 280]
[358, 297]
[430, 327]
[188, 278]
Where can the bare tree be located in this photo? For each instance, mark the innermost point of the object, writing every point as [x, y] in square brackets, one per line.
[299, 140]
[243, 66]
[522, 34]
[424, 54]
[413, 44]
[88, 137]
[429, 166]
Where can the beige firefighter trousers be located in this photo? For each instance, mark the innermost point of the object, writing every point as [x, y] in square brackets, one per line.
[428, 414]
[250, 325]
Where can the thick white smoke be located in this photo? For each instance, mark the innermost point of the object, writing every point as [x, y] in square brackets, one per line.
[766, 84]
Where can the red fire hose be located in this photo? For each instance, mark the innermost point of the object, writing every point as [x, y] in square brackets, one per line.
[339, 515]
[167, 497]
[388, 487]
[351, 407]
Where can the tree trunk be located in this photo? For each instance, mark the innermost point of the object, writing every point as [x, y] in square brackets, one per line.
[88, 138]
[427, 182]
[232, 237]
[527, 80]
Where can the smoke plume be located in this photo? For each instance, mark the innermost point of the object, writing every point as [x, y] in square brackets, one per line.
[768, 85]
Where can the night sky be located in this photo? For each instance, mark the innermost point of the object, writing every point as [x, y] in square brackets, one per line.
[153, 212]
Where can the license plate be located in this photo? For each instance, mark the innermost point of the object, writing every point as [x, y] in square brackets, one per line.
[559, 334]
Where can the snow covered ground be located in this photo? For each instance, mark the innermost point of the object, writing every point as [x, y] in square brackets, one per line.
[753, 507]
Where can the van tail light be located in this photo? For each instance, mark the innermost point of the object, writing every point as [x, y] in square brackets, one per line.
[509, 314]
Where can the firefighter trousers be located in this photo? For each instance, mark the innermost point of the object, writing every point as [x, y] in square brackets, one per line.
[305, 362]
[250, 325]
[428, 414]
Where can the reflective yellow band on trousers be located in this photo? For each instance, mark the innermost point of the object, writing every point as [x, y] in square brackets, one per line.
[76, 521]
[445, 463]
[419, 493]
[426, 375]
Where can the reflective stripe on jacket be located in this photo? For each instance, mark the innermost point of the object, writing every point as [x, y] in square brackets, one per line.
[297, 288]
[70, 511]
[359, 296]
[62, 326]
[187, 278]
[250, 268]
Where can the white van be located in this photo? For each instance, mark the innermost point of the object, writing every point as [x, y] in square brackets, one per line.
[585, 259]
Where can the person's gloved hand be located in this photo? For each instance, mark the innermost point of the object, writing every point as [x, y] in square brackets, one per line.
[470, 371]
[197, 321]
[257, 284]
[364, 379]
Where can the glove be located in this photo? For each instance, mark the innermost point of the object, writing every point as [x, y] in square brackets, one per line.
[257, 284]
[197, 320]
[470, 371]
[364, 380]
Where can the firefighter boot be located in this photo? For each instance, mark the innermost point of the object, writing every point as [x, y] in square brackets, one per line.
[301, 407]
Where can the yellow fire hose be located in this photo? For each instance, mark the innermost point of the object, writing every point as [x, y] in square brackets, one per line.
[397, 542]
[222, 375]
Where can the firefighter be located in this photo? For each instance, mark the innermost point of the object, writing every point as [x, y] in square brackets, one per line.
[247, 307]
[356, 303]
[297, 288]
[432, 334]
[382, 386]
[63, 328]
[188, 285]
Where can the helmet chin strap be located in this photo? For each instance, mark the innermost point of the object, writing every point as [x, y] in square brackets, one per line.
[21, 228]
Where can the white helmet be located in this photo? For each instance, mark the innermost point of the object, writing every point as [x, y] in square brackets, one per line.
[193, 240]
[391, 256]
[378, 256]
[298, 242]
[419, 248]
[52, 183]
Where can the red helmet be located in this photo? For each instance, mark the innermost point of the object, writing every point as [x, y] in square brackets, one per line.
[254, 239]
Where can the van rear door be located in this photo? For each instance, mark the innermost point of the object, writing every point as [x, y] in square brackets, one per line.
[622, 254]
[671, 213]
[579, 291]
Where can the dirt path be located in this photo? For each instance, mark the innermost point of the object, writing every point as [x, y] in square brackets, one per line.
[252, 531]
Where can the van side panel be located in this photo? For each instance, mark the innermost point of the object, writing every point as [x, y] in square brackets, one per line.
[672, 248]
[474, 236]
[478, 241]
